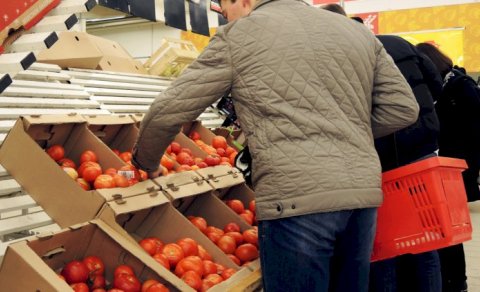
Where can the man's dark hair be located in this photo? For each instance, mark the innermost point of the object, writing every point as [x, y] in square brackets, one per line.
[356, 18]
[334, 8]
[443, 63]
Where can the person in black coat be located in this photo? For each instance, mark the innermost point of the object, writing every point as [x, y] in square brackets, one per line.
[420, 272]
[458, 109]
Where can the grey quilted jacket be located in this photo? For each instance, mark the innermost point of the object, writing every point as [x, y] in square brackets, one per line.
[311, 89]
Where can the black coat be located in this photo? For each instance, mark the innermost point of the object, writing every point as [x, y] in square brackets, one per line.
[458, 109]
[419, 139]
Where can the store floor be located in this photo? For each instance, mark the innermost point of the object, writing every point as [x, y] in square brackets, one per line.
[472, 250]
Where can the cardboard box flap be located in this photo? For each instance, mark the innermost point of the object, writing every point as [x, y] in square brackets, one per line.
[137, 117]
[108, 119]
[51, 119]
[175, 192]
[120, 64]
[243, 280]
[109, 48]
[222, 176]
[179, 179]
[140, 188]
[140, 202]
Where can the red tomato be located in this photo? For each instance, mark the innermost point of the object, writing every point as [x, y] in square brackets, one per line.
[192, 279]
[174, 253]
[110, 171]
[65, 162]
[175, 147]
[120, 181]
[88, 155]
[251, 206]
[86, 164]
[103, 181]
[184, 167]
[189, 246]
[251, 236]
[214, 236]
[231, 227]
[200, 223]
[247, 217]
[234, 259]
[162, 259]
[83, 184]
[236, 205]
[209, 267]
[229, 151]
[80, 287]
[194, 135]
[203, 254]
[99, 290]
[215, 230]
[185, 158]
[227, 273]
[227, 244]
[116, 151]
[143, 175]
[56, 152]
[167, 162]
[220, 268]
[201, 164]
[95, 265]
[246, 252]
[159, 287]
[219, 142]
[91, 173]
[212, 160]
[190, 263]
[98, 281]
[123, 269]
[237, 236]
[126, 156]
[215, 278]
[127, 283]
[186, 150]
[149, 245]
[75, 272]
[147, 284]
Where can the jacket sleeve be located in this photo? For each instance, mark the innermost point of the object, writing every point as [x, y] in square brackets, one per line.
[394, 106]
[207, 79]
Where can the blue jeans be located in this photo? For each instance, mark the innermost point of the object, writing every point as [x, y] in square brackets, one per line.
[318, 252]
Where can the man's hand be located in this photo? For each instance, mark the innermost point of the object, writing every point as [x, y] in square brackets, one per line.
[155, 174]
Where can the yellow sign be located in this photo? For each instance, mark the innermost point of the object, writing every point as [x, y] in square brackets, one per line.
[449, 41]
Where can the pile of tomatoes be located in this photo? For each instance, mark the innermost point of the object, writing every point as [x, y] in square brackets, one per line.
[189, 261]
[88, 275]
[218, 152]
[247, 214]
[90, 175]
[240, 247]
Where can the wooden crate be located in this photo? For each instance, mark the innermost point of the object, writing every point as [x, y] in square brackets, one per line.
[171, 58]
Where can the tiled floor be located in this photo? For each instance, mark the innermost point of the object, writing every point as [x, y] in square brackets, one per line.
[472, 250]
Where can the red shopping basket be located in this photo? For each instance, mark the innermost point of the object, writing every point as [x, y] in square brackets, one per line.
[425, 208]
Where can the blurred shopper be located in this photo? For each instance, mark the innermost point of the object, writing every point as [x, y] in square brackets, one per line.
[458, 110]
[419, 272]
[311, 90]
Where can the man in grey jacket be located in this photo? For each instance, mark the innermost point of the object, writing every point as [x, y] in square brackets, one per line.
[312, 89]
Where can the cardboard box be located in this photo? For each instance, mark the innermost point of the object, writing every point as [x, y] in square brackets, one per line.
[82, 50]
[22, 154]
[32, 265]
[205, 134]
[138, 118]
[116, 131]
[146, 216]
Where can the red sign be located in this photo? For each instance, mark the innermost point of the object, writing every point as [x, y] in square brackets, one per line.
[370, 20]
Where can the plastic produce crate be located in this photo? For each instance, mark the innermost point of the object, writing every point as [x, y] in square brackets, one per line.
[424, 209]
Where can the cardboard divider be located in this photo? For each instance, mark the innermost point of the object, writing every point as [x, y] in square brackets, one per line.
[146, 216]
[183, 184]
[33, 265]
[117, 132]
[221, 176]
[51, 187]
